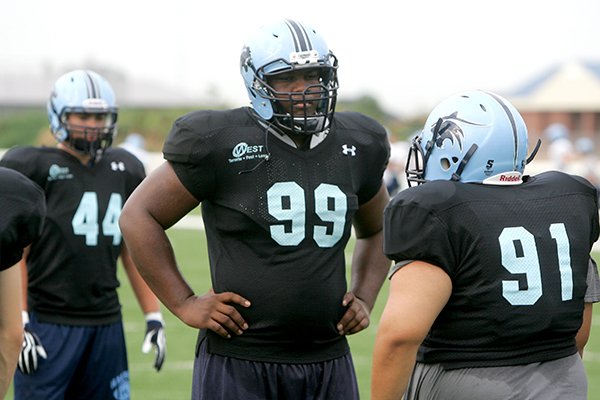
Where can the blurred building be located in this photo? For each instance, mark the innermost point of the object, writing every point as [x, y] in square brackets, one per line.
[568, 94]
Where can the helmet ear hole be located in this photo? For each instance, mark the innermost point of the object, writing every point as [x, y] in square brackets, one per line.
[445, 164]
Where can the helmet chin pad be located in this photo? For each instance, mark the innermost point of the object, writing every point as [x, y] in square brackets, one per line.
[302, 125]
[92, 148]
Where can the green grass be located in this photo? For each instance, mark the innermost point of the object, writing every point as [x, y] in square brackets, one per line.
[173, 382]
[21, 126]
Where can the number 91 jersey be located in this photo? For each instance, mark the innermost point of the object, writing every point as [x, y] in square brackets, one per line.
[518, 258]
[72, 266]
[277, 221]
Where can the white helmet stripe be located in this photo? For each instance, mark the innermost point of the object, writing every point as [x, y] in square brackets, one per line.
[92, 88]
[301, 40]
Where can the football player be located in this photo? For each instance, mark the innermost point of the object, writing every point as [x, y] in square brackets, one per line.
[21, 220]
[281, 185]
[74, 343]
[492, 287]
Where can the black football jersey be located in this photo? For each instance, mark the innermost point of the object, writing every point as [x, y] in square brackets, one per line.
[22, 213]
[277, 221]
[518, 260]
[72, 266]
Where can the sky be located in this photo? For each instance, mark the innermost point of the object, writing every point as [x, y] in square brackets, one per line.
[409, 55]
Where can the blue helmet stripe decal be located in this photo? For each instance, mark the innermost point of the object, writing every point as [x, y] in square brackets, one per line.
[513, 124]
[301, 40]
[92, 89]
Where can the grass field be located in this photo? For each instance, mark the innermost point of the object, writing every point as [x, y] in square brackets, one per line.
[174, 380]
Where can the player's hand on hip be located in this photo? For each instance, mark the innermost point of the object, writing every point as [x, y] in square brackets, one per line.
[357, 316]
[155, 338]
[215, 311]
[31, 350]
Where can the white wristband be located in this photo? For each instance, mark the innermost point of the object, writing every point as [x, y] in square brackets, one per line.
[25, 316]
[154, 316]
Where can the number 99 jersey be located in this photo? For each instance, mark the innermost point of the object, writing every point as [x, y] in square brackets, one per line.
[72, 266]
[277, 221]
[518, 259]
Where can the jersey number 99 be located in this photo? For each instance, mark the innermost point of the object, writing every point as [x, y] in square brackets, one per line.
[286, 203]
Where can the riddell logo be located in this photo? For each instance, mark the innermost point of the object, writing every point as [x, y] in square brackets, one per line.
[509, 178]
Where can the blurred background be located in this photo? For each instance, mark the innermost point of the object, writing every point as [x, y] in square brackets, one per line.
[397, 60]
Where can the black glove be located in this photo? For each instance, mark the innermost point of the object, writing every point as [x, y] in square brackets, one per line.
[32, 349]
[155, 337]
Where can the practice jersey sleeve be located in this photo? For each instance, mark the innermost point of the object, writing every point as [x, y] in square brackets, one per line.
[367, 133]
[592, 295]
[134, 166]
[406, 224]
[22, 214]
[22, 159]
[189, 152]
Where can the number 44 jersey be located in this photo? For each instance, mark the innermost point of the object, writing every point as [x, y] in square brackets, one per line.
[518, 258]
[72, 267]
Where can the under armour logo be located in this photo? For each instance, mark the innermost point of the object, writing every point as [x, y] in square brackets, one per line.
[349, 151]
[117, 166]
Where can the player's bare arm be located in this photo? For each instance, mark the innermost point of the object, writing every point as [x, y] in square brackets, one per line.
[147, 300]
[158, 203]
[369, 265]
[583, 334]
[423, 289]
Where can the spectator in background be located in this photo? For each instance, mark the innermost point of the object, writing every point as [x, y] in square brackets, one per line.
[74, 343]
[22, 213]
[393, 175]
[588, 159]
[560, 148]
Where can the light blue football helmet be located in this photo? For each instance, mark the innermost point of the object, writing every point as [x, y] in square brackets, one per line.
[86, 92]
[283, 47]
[473, 136]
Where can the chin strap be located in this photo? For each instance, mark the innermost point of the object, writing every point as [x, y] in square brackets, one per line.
[463, 163]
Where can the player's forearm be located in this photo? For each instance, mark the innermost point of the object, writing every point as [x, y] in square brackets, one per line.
[583, 334]
[392, 367]
[11, 325]
[146, 298]
[153, 255]
[369, 268]
[9, 354]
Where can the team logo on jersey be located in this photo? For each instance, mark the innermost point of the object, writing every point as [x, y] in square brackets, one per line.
[244, 151]
[58, 173]
[349, 150]
[117, 165]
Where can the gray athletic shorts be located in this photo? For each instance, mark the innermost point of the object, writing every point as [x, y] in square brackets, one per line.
[560, 379]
